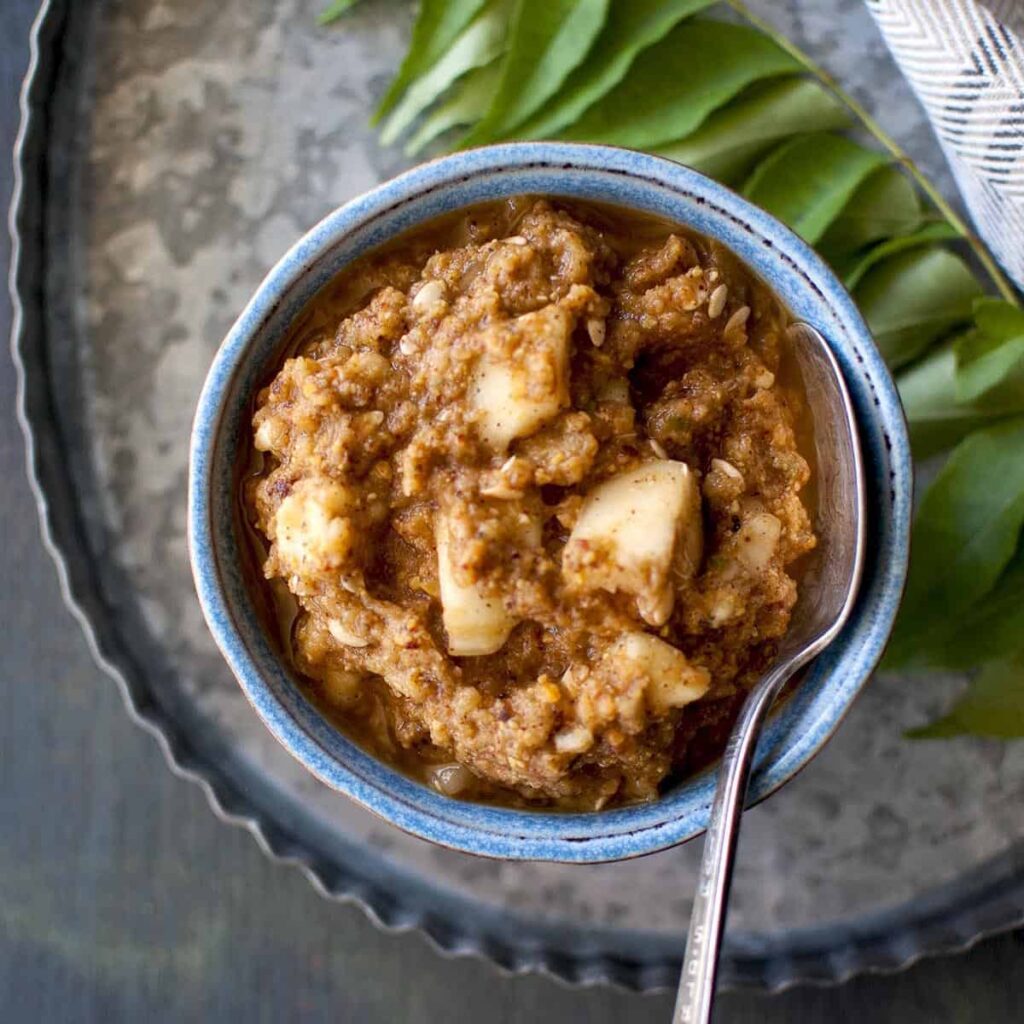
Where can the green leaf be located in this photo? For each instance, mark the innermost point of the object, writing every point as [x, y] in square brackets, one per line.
[481, 42]
[965, 532]
[938, 418]
[676, 83]
[911, 299]
[937, 421]
[731, 139]
[808, 180]
[993, 355]
[853, 266]
[992, 706]
[990, 630]
[547, 40]
[884, 205]
[335, 11]
[631, 28]
[464, 104]
[438, 25]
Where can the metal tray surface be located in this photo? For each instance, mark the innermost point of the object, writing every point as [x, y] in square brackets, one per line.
[170, 151]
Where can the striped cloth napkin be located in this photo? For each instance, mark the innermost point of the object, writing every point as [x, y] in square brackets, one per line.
[965, 61]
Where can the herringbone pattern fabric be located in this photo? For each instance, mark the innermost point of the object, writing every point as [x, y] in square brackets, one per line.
[965, 60]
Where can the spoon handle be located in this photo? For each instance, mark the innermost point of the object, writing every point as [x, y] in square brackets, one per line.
[700, 964]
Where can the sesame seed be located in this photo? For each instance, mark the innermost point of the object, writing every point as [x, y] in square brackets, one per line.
[727, 468]
[430, 294]
[717, 301]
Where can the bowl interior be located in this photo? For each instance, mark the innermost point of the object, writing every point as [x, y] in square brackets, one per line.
[624, 178]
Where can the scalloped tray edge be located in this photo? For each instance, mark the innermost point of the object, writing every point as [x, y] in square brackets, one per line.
[940, 931]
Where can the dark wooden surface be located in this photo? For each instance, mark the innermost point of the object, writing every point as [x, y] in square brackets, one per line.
[122, 898]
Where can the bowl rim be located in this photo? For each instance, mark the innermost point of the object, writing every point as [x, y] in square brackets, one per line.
[583, 837]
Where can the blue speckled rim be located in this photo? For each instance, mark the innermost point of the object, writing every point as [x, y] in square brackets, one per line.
[625, 178]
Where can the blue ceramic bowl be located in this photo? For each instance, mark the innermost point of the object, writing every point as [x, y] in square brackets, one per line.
[628, 179]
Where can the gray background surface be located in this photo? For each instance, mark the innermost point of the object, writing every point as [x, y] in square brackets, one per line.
[122, 898]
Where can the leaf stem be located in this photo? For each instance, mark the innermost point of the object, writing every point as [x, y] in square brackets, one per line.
[900, 155]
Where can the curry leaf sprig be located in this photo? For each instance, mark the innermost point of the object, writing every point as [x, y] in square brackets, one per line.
[743, 104]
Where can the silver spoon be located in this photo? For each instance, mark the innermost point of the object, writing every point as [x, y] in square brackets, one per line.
[827, 594]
